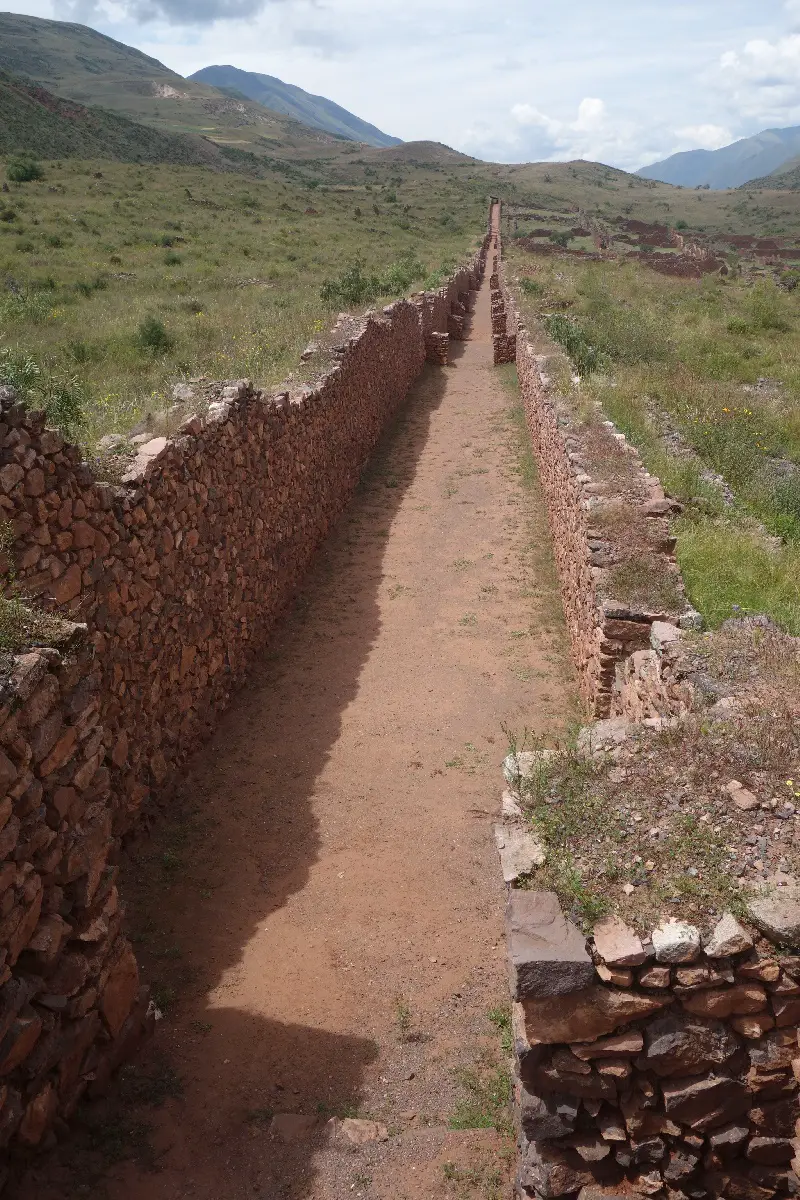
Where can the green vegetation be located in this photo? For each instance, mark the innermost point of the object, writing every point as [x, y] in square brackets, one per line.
[119, 280]
[704, 377]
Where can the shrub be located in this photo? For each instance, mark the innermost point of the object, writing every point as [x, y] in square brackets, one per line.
[352, 287]
[570, 335]
[561, 239]
[23, 168]
[19, 370]
[152, 336]
[401, 274]
[171, 259]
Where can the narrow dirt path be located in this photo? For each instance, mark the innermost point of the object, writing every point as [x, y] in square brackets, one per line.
[330, 901]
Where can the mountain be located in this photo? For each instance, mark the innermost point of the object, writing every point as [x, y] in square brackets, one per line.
[78, 63]
[315, 111]
[33, 119]
[785, 179]
[731, 166]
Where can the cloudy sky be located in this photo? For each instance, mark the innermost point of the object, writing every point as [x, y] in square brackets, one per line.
[622, 81]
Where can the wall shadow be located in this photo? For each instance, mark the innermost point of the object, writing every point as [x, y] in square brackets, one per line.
[235, 845]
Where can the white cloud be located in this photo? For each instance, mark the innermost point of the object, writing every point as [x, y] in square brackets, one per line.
[762, 79]
[703, 137]
[519, 80]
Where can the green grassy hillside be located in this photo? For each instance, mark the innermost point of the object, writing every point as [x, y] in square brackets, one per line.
[118, 280]
[34, 120]
[80, 64]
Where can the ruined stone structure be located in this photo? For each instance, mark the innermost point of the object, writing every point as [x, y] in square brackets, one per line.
[172, 581]
[601, 504]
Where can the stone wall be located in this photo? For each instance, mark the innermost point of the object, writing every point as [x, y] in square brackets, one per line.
[664, 1066]
[176, 574]
[70, 1003]
[604, 509]
[180, 571]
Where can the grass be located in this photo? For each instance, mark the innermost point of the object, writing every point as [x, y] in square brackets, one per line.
[676, 364]
[118, 286]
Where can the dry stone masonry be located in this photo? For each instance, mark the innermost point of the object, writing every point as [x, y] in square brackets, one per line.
[171, 582]
[663, 1066]
[604, 508]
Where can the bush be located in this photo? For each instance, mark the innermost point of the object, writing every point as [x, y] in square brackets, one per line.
[23, 168]
[352, 287]
[561, 239]
[568, 333]
[19, 370]
[398, 277]
[152, 336]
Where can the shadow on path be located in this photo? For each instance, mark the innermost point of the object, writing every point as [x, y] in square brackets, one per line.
[236, 845]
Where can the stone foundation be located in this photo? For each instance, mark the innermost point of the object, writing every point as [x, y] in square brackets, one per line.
[660, 1066]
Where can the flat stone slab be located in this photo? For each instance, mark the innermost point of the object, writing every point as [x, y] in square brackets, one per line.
[359, 1133]
[547, 953]
[776, 913]
[520, 851]
[524, 765]
[586, 1015]
[617, 944]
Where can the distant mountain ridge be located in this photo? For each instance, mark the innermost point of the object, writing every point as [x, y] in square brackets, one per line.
[76, 62]
[314, 111]
[731, 166]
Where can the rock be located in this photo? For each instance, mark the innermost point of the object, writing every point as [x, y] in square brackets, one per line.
[291, 1127]
[611, 1047]
[786, 1010]
[611, 1126]
[604, 737]
[510, 806]
[38, 1115]
[728, 1137]
[621, 976]
[19, 1041]
[654, 977]
[359, 1133]
[520, 851]
[767, 970]
[549, 1077]
[552, 1171]
[742, 999]
[586, 1015]
[120, 990]
[699, 978]
[775, 912]
[650, 1150]
[705, 1102]
[662, 634]
[676, 942]
[771, 1151]
[544, 1117]
[755, 1025]
[525, 766]
[547, 953]
[742, 798]
[591, 1149]
[681, 1045]
[617, 944]
[682, 1163]
[728, 938]
[776, 1119]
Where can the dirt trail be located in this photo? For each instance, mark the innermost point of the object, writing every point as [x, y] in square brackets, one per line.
[333, 905]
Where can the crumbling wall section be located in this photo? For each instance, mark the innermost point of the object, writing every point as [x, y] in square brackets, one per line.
[603, 506]
[657, 1065]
